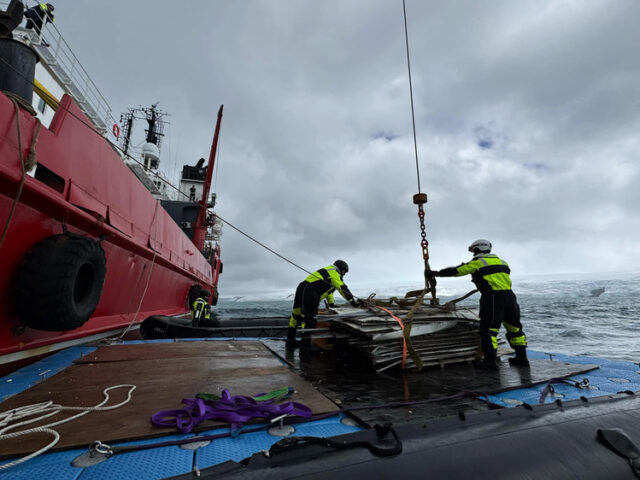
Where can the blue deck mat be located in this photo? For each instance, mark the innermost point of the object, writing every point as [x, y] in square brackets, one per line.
[51, 466]
[245, 445]
[143, 465]
[612, 377]
[30, 375]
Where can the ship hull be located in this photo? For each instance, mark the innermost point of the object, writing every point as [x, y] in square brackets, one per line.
[84, 188]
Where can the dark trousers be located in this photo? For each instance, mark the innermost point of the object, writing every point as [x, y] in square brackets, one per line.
[34, 20]
[305, 307]
[495, 309]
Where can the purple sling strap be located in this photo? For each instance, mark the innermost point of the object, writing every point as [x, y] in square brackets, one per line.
[236, 410]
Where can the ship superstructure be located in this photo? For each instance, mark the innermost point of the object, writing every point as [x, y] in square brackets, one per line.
[183, 203]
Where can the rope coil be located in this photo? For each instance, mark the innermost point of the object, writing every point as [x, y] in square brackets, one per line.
[48, 409]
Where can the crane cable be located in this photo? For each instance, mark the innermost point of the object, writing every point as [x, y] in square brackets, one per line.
[420, 198]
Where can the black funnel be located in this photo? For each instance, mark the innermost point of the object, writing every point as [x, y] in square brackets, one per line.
[17, 68]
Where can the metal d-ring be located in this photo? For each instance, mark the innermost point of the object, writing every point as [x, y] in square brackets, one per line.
[100, 448]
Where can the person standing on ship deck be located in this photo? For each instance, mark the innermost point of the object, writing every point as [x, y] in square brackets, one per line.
[316, 287]
[498, 303]
[39, 15]
[201, 310]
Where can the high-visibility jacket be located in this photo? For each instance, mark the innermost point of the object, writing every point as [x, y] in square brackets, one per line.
[40, 14]
[324, 282]
[201, 311]
[488, 272]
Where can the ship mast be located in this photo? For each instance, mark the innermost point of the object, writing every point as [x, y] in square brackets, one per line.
[154, 132]
[200, 230]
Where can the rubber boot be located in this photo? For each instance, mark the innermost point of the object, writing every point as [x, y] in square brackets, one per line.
[520, 360]
[488, 362]
[291, 338]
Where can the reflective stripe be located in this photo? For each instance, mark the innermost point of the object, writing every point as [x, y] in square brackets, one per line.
[200, 306]
[295, 316]
[328, 295]
[494, 337]
[520, 341]
[488, 271]
[318, 276]
[44, 8]
[330, 276]
[511, 328]
[293, 321]
[498, 281]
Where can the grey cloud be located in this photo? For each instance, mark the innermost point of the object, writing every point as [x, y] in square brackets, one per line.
[526, 114]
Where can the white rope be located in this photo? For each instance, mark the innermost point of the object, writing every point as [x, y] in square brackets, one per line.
[146, 287]
[46, 410]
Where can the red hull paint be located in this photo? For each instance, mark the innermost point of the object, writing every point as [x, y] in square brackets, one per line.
[101, 198]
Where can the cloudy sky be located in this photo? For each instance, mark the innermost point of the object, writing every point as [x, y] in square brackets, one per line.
[527, 118]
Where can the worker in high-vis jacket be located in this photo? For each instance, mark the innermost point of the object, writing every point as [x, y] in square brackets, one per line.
[498, 303]
[39, 15]
[316, 287]
[200, 309]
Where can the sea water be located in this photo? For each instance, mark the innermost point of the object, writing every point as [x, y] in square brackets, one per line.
[558, 316]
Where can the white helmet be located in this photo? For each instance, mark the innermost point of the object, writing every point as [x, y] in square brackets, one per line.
[481, 246]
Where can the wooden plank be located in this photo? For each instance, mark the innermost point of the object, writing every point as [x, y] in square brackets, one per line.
[175, 350]
[161, 381]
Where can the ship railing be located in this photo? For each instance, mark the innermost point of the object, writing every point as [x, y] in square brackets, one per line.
[63, 65]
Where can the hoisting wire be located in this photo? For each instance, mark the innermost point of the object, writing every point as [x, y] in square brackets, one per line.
[413, 116]
[420, 198]
[263, 245]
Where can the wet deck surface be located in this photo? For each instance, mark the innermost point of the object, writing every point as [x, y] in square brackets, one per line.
[164, 373]
[352, 382]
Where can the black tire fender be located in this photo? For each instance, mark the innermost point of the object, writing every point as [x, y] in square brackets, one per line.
[60, 282]
[193, 294]
[214, 298]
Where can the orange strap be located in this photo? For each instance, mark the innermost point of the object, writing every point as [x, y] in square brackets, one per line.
[404, 341]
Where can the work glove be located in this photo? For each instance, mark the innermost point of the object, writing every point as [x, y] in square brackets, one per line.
[357, 302]
[431, 273]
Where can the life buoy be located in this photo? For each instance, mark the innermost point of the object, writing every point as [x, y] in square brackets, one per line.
[59, 284]
[116, 130]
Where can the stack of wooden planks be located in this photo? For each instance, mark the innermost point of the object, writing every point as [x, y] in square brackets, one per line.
[437, 335]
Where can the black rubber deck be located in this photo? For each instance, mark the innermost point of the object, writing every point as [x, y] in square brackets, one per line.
[352, 382]
[546, 441]
[160, 326]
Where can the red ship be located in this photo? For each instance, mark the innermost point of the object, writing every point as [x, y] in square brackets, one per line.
[86, 251]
